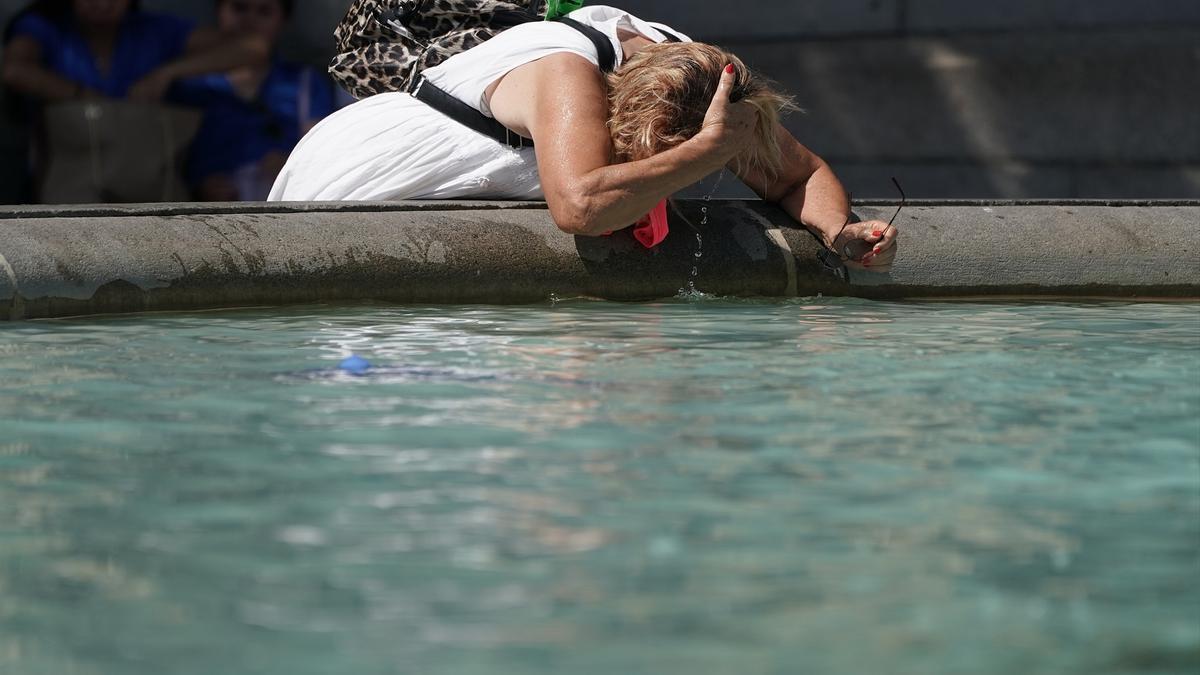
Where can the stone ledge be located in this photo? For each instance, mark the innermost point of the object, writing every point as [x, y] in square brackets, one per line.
[87, 260]
[24, 211]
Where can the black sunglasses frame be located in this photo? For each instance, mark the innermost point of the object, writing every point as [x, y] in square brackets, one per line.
[847, 253]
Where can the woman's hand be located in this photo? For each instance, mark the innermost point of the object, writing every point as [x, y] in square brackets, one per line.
[562, 102]
[807, 189]
[153, 87]
[875, 237]
[728, 127]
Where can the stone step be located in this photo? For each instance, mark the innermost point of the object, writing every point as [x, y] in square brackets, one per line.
[1007, 180]
[793, 20]
[1106, 97]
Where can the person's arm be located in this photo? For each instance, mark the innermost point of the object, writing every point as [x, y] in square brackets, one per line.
[207, 51]
[560, 101]
[25, 71]
[807, 189]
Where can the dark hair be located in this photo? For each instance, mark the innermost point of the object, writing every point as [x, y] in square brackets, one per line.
[58, 11]
[287, 5]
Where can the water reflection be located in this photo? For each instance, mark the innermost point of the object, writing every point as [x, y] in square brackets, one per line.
[592, 487]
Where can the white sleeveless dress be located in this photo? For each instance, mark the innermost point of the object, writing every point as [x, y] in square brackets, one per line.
[392, 146]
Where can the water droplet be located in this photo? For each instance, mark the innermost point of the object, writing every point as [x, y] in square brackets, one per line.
[690, 290]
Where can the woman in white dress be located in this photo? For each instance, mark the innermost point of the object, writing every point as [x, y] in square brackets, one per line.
[606, 149]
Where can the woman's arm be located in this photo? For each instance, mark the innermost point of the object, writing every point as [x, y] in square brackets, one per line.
[211, 51]
[25, 71]
[560, 101]
[807, 189]
[208, 51]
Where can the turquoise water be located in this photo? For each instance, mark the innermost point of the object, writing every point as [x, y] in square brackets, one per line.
[825, 486]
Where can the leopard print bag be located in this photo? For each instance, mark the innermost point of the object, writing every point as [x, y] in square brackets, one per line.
[383, 45]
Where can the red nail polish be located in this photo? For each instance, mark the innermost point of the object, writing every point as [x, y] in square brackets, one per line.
[729, 69]
[876, 233]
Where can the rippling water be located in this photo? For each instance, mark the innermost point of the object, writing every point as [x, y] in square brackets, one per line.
[731, 487]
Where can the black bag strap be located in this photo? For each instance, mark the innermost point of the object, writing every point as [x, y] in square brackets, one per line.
[671, 37]
[434, 97]
[604, 48]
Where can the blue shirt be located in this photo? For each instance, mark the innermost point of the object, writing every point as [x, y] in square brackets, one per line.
[145, 42]
[236, 132]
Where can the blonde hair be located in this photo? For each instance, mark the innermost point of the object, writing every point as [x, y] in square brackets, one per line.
[659, 97]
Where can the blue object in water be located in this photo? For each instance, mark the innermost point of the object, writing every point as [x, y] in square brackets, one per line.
[1006, 471]
[355, 365]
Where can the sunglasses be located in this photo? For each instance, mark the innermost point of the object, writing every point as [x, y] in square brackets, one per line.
[857, 248]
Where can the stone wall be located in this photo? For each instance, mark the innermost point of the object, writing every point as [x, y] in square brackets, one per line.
[1011, 98]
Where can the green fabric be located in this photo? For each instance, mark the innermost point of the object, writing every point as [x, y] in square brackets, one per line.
[557, 8]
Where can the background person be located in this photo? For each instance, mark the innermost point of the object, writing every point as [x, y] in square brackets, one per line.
[73, 64]
[59, 50]
[256, 114]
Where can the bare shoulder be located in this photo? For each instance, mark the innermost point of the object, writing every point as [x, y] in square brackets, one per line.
[552, 85]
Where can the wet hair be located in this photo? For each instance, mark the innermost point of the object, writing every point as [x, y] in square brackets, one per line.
[659, 97]
[286, 5]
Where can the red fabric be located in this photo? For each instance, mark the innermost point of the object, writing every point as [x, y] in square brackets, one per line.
[652, 229]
